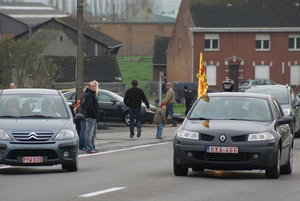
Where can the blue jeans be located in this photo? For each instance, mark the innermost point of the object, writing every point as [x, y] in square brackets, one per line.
[169, 111]
[160, 127]
[82, 135]
[91, 131]
[135, 114]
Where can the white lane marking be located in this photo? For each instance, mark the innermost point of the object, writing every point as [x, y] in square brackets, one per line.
[101, 192]
[118, 150]
[3, 167]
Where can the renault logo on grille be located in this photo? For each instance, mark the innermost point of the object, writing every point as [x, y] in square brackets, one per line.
[222, 138]
[32, 135]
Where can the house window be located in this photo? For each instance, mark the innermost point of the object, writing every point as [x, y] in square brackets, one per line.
[295, 75]
[262, 71]
[262, 42]
[294, 42]
[179, 43]
[211, 42]
[96, 49]
[211, 75]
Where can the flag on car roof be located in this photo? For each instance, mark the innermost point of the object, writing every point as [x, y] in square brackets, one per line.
[202, 81]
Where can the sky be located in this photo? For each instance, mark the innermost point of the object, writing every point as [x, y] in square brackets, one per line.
[170, 5]
[167, 5]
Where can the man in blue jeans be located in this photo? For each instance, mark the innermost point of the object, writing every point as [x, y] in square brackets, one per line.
[91, 112]
[170, 100]
[133, 99]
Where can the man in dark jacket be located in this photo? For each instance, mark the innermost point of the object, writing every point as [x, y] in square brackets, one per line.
[91, 112]
[133, 99]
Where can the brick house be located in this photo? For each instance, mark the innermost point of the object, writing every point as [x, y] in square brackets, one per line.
[238, 40]
[138, 37]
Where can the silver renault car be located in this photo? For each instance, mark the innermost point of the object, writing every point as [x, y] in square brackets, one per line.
[37, 129]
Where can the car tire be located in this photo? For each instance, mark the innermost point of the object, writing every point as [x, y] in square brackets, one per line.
[178, 170]
[274, 172]
[127, 119]
[288, 168]
[70, 167]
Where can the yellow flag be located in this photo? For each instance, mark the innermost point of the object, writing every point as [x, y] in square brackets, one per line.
[202, 82]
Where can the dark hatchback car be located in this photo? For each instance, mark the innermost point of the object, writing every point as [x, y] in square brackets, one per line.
[37, 129]
[234, 131]
[288, 101]
[113, 107]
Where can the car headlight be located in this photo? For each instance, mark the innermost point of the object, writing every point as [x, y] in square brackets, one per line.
[286, 111]
[188, 135]
[65, 134]
[260, 137]
[4, 135]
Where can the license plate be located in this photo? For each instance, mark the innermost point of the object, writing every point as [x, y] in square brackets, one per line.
[32, 159]
[225, 150]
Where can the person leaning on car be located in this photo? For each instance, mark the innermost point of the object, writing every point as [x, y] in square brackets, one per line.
[133, 99]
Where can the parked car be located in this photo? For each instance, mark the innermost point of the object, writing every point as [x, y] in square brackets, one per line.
[37, 129]
[285, 96]
[238, 140]
[179, 92]
[112, 107]
[246, 84]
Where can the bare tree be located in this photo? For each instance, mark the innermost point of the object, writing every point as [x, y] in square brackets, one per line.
[18, 58]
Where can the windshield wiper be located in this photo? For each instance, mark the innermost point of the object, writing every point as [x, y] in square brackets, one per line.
[36, 116]
[199, 118]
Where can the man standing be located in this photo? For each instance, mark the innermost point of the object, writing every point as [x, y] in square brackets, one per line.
[133, 99]
[170, 100]
[91, 112]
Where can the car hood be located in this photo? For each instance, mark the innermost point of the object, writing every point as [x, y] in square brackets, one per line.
[232, 127]
[54, 125]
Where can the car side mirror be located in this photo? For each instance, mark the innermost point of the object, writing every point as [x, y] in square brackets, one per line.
[114, 101]
[178, 117]
[284, 120]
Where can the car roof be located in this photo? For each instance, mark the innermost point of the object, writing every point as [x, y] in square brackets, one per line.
[270, 86]
[34, 91]
[238, 94]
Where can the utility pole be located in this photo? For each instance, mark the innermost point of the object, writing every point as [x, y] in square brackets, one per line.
[80, 43]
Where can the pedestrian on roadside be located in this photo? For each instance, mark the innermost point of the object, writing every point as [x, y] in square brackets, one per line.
[12, 85]
[170, 100]
[133, 99]
[82, 135]
[188, 99]
[160, 119]
[91, 111]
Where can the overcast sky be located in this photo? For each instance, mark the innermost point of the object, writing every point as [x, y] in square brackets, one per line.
[167, 5]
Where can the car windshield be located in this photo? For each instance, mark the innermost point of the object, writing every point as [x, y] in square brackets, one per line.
[237, 108]
[245, 83]
[280, 94]
[30, 106]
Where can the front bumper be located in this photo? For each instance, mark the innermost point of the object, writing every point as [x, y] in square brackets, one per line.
[53, 153]
[248, 158]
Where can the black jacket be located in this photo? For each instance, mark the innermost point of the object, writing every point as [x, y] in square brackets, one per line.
[133, 98]
[89, 105]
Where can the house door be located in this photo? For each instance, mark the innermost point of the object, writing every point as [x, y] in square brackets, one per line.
[234, 75]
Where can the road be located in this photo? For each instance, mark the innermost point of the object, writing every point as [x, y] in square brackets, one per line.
[141, 169]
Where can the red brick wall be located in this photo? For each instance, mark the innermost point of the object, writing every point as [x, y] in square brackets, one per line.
[138, 38]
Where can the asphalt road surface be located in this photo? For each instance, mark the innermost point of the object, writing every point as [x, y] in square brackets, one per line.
[141, 169]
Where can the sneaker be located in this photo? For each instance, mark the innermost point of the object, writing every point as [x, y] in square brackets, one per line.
[131, 135]
[93, 152]
[161, 138]
[139, 133]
